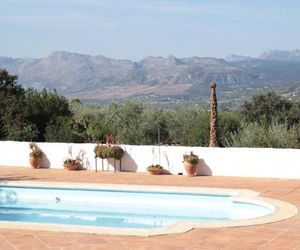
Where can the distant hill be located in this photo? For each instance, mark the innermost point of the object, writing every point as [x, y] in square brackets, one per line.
[281, 55]
[159, 79]
[238, 58]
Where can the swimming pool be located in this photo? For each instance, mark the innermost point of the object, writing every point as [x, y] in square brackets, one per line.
[126, 209]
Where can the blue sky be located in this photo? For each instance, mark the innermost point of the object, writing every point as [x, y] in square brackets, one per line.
[134, 29]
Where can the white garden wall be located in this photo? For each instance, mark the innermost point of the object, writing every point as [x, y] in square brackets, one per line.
[247, 162]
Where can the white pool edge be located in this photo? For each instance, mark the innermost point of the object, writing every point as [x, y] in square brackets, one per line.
[282, 210]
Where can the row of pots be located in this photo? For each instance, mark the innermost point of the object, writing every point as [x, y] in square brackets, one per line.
[189, 168]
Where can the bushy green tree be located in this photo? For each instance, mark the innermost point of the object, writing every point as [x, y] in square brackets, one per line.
[199, 133]
[229, 123]
[269, 121]
[92, 119]
[267, 108]
[43, 107]
[11, 106]
[28, 132]
[155, 127]
[126, 121]
[180, 123]
[62, 130]
[274, 136]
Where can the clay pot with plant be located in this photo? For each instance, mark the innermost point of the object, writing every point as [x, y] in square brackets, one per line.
[35, 156]
[71, 163]
[154, 169]
[101, 151]
[190, 162]
[117, 152]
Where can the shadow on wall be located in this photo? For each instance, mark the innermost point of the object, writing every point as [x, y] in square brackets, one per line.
[203, 169]
[116, 164]
[101, 164]
[128, 163]
[45, 162]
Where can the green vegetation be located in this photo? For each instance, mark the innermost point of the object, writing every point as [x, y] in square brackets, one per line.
[154, 166]
[12, 99]
[45, 108]
[266, 120]
[104, 151]
[274, 136]
[36, 152]
[191, 158]
[25, 114]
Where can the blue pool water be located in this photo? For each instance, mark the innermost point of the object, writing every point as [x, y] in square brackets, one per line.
[119, 208]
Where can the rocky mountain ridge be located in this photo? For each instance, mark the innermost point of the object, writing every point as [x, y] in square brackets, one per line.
[98, 77]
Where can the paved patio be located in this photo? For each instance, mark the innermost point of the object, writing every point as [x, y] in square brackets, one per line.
[279, 235]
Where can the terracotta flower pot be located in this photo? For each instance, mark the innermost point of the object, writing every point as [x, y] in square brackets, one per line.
[190, 168]
[154, 171]
[35, 162]
[72, 166]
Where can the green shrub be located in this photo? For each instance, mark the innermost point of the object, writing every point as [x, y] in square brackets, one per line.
[104, 151]
[117, 152]
[101, 151]
[273, 136]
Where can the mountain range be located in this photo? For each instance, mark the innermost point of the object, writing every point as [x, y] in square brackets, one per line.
[160, 79]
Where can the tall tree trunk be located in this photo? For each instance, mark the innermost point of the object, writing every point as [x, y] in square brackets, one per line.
[213, 140]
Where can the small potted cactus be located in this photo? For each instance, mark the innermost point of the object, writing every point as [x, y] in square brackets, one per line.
[35, 156]
[190, 162]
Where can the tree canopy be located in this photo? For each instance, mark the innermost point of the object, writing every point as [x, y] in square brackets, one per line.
[271, 107]
[267, 120]
[12, 99]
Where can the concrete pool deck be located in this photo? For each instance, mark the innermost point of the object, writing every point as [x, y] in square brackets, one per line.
[278, 235]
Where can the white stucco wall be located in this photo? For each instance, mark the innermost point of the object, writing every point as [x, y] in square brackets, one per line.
[245, 162]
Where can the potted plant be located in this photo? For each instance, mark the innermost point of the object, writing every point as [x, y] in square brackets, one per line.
[117, 152]
[71, 163]
[190, 162]
[108, 151]
[101, 151]
[154, 169]
[35, 156]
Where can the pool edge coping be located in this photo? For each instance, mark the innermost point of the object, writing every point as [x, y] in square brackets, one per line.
[283, 210]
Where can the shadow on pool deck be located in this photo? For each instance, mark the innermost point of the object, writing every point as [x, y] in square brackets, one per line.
[18, 178]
